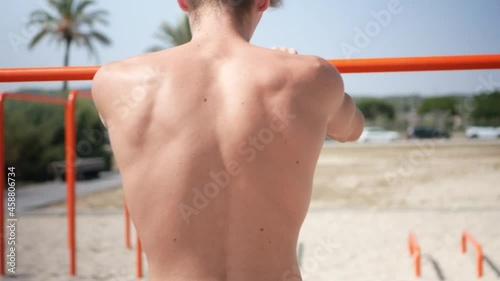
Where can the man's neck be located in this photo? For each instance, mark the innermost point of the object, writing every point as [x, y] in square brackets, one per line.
[221, 27]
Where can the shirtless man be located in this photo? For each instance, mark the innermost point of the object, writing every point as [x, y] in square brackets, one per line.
[217, 142]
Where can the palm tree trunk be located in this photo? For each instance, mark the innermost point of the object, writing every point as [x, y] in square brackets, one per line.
[66, 62]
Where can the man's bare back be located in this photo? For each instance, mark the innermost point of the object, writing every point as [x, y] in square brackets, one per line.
[217, 146]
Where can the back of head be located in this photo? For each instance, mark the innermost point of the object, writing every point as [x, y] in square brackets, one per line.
[239, 7]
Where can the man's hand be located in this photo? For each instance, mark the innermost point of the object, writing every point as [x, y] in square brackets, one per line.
[286, 50]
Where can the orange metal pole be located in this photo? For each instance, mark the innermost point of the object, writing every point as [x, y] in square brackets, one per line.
[139, 258]
[406, 64]
[127, 225]
[415, 252]
[73, 73]
[70, 177]
[3, 96]
[434, 63]
[479, 251]
[464, 243]
[479, 258]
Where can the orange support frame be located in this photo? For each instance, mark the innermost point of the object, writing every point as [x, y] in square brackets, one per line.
[436, 63]
[3, 98]
[414, 248]
[466, 236]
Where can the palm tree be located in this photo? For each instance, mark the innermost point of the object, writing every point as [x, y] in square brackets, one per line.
[173, 35]
[69, 23]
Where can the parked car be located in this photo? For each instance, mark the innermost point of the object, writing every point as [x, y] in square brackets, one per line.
[377, 134]
[475, 132]
[86, 168]
[426, 133]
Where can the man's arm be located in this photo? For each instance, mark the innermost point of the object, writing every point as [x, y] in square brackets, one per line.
[345, 120]
[347, 123]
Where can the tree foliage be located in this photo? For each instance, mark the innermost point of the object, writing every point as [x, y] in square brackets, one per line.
[374, 108]
[487, 109]
[173, 35]
[445, 104]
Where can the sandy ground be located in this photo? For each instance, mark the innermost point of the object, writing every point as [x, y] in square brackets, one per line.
[355, 245]
[423, 174]
[365, 201]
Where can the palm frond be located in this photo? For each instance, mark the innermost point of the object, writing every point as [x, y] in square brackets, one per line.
[57, 5]
[39, 36]
[41, 17]
[82, 5]
[90, 47]
[94, 17]
[176, 34]
[85, 39]
[68, 9]
[186, 26]
[155, 48]
[103, 39]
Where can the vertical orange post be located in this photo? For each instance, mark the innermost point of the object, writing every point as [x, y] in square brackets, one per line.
[415, 253]
[2, 185]
[479, 251]
[464, 243]
[127, 225]
[479, 260]
[70, 177]
[139, 258]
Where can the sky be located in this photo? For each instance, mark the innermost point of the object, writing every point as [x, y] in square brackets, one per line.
[332, 29]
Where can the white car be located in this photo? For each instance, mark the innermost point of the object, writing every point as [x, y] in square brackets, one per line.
[482, 132]
[377, 134]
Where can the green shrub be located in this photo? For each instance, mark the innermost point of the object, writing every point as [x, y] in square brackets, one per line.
[34, 137]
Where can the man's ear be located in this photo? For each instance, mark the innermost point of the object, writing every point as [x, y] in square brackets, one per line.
[262, 5]
[183, 5]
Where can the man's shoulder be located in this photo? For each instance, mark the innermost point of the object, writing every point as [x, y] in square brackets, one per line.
[317, 83]
[316, 74]
[309, 69]
[321, 70]
[125, 72]
[114, 69]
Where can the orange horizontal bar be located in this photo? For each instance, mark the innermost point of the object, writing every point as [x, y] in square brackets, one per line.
[74, 73]
[470, 62]
[35, 98]
[473, 62]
